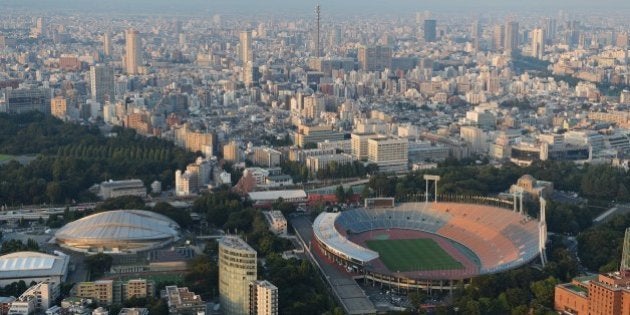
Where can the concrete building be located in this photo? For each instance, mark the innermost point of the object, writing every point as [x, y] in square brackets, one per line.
[237, 269]
[430, 30]
[134, 311]
[276, 221]
[59, 107]
[182, 302]
[247, 54]
[118, 188]
[315, 134]
[511, 37]
[102, 83]
[359, 143]
[26, 99]
[390, 154]
[266, 157]
[538, 43]
[36, 298]
[186, 183]
[103, 292]
[231, 152]
[374, 58]
[263, 298]
[133, 52]
[321, 162]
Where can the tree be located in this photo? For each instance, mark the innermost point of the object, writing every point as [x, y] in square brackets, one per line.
[340, 193]
[543, 291]
[98, 264]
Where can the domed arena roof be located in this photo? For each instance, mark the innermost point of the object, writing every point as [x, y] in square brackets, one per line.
[118, 231]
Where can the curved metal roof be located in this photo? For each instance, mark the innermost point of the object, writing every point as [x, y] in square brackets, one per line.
[120, 225]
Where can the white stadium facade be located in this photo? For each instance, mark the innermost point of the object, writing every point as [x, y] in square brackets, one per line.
[33, 266]
[118, 232]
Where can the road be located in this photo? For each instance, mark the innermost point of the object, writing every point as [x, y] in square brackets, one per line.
[344, 288]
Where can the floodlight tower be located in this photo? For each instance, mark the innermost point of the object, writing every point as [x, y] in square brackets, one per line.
[625, 254]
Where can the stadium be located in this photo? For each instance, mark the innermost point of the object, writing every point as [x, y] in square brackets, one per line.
[118, 232]
[428, 245]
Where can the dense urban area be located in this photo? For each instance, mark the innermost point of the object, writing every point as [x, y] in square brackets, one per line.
[306, 159]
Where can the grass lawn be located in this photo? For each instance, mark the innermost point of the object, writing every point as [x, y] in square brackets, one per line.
[413, 255]
[5, 157]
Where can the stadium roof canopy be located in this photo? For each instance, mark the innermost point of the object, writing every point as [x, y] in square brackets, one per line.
[118, 230]
[32, 264]
[325, 231]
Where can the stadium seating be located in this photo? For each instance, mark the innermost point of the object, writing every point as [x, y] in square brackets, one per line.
[501, 239]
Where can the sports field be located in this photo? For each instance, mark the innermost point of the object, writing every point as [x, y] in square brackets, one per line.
[405, 255]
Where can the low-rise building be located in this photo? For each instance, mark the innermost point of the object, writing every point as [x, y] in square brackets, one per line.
[182, 301]
[118, 188]
[277, 222]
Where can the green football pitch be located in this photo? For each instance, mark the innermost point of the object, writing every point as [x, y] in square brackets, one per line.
[413, 255]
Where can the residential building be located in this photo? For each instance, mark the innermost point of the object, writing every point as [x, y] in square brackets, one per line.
[263, 298]
[182, 302]
[237, 269]
[102, 83]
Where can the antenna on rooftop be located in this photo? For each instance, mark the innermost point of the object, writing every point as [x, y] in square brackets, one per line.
[625, 254]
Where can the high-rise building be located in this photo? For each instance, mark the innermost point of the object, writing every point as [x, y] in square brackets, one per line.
[237, 269]
[498, 37]
[133, 51]
[538, 43]
[374, 58]
[107, 45]
[263, 298]
[476, 34]
[102, 83]
[26, 99]
[511, 37]
[40, 27]
[622, 40]
[247, 54]
[59, 107]
[231, 152]
[550, 29]
[430, 30]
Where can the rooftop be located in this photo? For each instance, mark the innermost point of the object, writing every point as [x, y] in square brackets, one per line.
[235, 242]
[21, 264]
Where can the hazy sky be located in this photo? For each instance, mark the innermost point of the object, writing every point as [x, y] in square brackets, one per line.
[338, 6]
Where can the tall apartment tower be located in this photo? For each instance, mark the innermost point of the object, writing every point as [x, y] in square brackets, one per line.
[475, 35]
[538, 43]
[107, 45]
[430, 30]
[247, 55]
[237, 269]
[498, 37]
[102, 83]
[263, 298]
[132, 51]
[511, 37]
